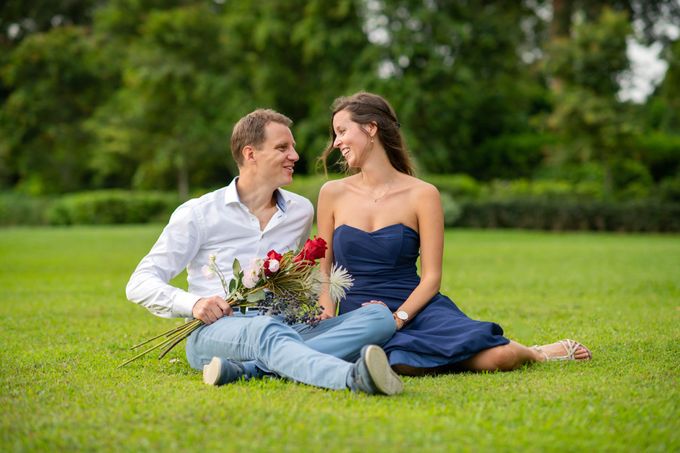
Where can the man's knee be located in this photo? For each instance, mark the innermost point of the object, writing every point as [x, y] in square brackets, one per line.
[267, 331]
[382, 325]
[377, 311]
[260, 326]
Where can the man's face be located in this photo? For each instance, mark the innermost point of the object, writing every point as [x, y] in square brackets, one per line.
[276, 157]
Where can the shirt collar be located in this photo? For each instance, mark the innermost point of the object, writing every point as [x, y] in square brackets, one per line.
[283, 200]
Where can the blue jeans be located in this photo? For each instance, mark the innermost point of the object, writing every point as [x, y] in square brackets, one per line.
[320, 355]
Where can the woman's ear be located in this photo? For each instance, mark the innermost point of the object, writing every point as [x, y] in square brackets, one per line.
[371, 128]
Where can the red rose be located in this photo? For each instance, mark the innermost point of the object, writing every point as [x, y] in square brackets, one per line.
[272, 255]
[314, 249]
[271, 263]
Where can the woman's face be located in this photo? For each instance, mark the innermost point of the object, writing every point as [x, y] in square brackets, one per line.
[351, 139]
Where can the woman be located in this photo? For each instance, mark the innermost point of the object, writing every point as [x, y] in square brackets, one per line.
[375, 222]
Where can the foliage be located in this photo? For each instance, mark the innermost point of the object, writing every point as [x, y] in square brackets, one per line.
[112, 206]
[56, 80]
[454, 77]
[164, 119]
[65, 321]
[669, 188]
[587, 117]
[458, 185]
[41, 16]
[566, 200]
[452, 209]
[142, 94]
[547, 189]
[566, 215]
[22, 209]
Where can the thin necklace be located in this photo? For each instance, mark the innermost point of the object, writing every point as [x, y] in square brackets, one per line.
[389, 186]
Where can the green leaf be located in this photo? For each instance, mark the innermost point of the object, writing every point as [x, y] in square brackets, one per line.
[256, 296]
[236, 267]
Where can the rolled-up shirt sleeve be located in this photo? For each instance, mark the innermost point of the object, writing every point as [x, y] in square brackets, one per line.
[177, 245]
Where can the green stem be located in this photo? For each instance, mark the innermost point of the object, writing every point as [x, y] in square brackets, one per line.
[169, 348]
[174, 336]
[164, 334]
[152, 348]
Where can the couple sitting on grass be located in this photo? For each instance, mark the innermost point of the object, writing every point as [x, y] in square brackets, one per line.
[376, 223]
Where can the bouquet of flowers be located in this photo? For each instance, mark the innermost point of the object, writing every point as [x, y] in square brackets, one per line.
[286, 284]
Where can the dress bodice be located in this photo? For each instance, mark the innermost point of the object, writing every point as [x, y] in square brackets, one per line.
[389, 252]
[382, 262]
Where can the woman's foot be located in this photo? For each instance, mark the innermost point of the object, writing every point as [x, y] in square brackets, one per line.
[563, 350]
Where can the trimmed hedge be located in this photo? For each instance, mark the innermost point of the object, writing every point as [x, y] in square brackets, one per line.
[545, 206]
[112, 206]
[20, 209]
[560, 215]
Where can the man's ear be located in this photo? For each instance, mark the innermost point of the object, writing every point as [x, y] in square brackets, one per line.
[248, 153]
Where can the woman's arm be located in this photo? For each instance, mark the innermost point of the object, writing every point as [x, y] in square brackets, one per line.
[427, 205]
[325, 225]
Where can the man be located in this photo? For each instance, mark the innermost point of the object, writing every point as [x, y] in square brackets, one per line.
[244, 220]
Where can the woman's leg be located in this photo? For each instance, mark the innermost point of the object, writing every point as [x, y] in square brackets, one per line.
[502, 358]
[513, 355]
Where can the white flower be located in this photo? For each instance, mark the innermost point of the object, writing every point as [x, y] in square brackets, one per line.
[273, 266]
[208, 271]
[249, 280]
[251, 275]
[339, 282]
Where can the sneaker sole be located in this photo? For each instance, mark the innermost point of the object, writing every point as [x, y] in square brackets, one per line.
[212, 371]
[384, 379]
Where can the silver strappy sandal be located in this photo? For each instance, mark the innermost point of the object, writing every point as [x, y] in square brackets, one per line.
[570, 346]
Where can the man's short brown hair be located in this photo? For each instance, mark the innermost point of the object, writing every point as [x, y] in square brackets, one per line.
[250, 130]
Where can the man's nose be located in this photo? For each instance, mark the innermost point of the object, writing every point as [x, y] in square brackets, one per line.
[293, 155]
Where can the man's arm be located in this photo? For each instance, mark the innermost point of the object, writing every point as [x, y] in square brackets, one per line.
[175, 248]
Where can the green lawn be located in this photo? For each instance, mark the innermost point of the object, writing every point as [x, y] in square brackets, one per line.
[65, 324]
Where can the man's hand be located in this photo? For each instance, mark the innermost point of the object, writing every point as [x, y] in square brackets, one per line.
[210, 309]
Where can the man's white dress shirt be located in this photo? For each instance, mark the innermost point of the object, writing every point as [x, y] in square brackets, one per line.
[215, 224]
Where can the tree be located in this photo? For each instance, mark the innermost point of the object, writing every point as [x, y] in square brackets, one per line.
[19, 19]
[56, 80]
[169, 118]
[587, 116]
[454, 74]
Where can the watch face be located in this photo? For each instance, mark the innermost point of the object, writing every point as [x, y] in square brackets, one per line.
[402, 315]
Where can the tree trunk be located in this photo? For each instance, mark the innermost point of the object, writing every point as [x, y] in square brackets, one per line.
[561, 19]
[560, 27]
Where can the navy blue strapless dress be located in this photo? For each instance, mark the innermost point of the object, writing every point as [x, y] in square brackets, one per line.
[383, 264]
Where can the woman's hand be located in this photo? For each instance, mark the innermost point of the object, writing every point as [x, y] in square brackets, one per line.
[397, 321]
[326, 314]
[372, 302]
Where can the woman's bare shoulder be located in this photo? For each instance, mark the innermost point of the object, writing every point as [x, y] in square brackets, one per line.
[419, 188]
[335, 186]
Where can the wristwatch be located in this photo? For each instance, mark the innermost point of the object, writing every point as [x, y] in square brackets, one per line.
[401, 314]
